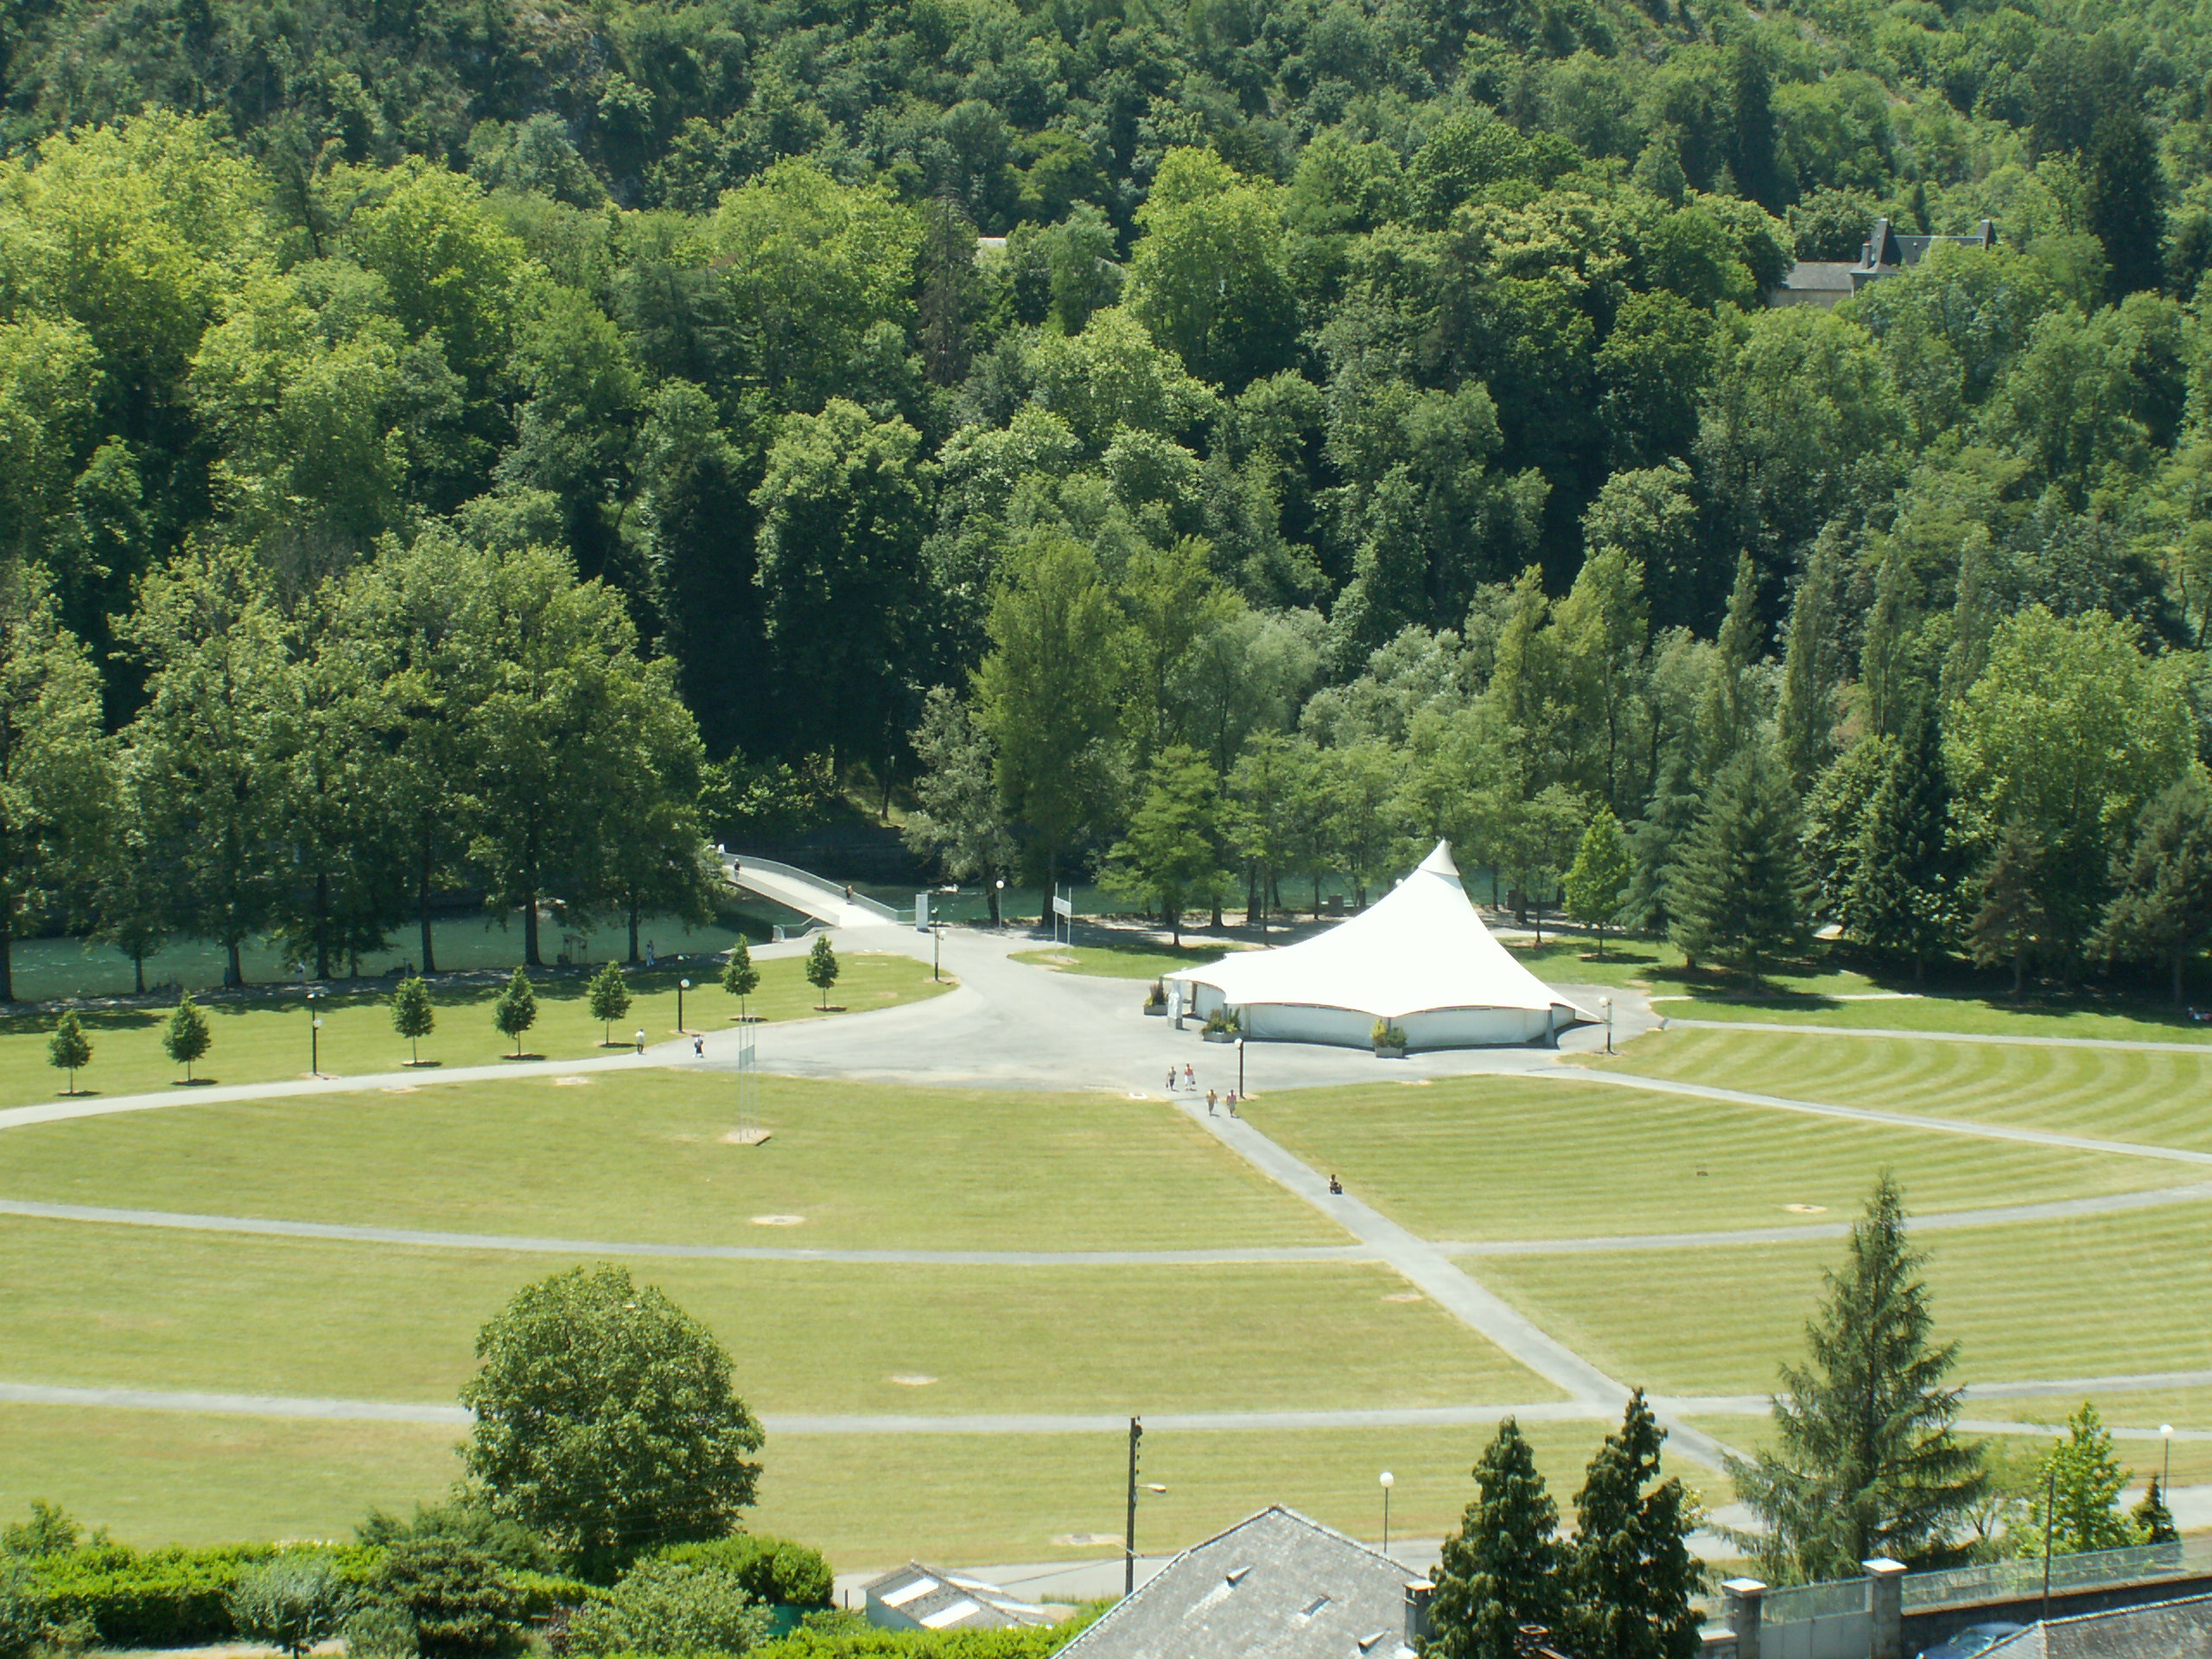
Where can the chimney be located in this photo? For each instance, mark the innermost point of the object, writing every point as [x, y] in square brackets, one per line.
[1418, 1590]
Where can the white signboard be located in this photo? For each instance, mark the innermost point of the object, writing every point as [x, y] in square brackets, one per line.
[1062, 907]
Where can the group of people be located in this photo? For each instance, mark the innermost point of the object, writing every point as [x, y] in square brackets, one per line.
[1187, 1079]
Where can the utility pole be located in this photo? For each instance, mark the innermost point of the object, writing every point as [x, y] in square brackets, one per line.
[1129, 1537]
[2049, 1524]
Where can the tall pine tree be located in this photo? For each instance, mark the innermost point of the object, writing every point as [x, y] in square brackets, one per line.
[1502, 1568]
[2164, 905]
[1737, 890]
[1632, 1575]
[1905, 893]
[1866, 1463]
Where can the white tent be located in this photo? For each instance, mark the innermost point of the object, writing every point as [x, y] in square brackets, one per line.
[1420, 957]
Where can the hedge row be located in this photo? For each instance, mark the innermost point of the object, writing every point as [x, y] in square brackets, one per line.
[162, 1598]
[773, 1569]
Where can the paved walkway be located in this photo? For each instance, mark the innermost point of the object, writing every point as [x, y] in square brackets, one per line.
[1988, 1038]
[1461, 1417]
[526, 1243]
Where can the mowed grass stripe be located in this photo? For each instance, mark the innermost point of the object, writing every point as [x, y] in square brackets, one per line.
[2158, 1098]
[124, 1306]
[639, 1157]
[172, 1478]
[1488, 1158]
[2095, 1297]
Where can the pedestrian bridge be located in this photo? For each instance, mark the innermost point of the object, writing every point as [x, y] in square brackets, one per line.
[807, 894]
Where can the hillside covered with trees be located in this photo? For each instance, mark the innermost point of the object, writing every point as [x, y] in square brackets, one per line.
[488, 449]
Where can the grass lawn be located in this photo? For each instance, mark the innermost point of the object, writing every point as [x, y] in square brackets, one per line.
[2165, 1099]
[265, 1039]
[183, 1478]
[1135, 958]
[141, 1309]
[865, 1165]
[1479, 1157]
[2094, 1297]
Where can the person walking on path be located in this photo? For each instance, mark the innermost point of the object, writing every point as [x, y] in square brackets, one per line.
[699, 1047]
[1190, 1078]
[1209, 1101]
[1171, 1079]
[641, 1042]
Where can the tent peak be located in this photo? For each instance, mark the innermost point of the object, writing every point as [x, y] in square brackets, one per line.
[1439, 862]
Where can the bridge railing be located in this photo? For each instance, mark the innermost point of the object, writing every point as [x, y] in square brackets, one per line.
[827, 889]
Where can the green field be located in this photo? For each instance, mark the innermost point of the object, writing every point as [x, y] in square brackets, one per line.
[910, 1168]
[141, 1307]
[2095, 1297]
[2161, 1098]
[2192, 1460]
[2104, 1020]
[1478, 1159]
[161, 1477]
[264, 1039]
[1137, 958]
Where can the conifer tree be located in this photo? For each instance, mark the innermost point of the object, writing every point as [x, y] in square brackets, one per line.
[515, 1010]
[1502, 1568]
[1654, 841]
[1598, 883]
[1903, 895]
[1805, 716]
[2154, 1522]
[2162, 907]
[740, 977]
[1866, 1463]
[70, 1050]
[1724, 718]
[1738, 889]
[186, 1038]
[412, 1016]
[1631, 1574]
[2012, 918]
[609, 998]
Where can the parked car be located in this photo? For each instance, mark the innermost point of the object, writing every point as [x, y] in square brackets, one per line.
[1972, 1641]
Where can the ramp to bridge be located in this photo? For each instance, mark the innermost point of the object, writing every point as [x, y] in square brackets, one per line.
[806, 893]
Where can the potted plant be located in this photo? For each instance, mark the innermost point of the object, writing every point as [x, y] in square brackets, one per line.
[1389, 1040]
[1222, 1026]
[1155, 1000]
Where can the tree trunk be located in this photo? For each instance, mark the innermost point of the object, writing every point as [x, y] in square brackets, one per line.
[422, 909]
[529, 938]
[994, 889]
[137, 971]
[2020, 972]
[323, 924]
[1252, 896]
[233, 967]
[634, 930]
[2177, 962]
[8, 964]
[1317, 896]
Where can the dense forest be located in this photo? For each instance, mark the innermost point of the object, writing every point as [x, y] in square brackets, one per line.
[488, 449]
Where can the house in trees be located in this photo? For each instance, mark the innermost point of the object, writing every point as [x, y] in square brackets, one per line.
[1829, 282]
[1277, 1584]
[918, 1598]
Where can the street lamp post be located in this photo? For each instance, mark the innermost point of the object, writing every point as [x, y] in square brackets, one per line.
[314, 1036]
[682, 985]
[1389, 1481]
[1240, 1068]
[999, 908]
[937, 950]
[2166, 1480]
[1605, 1007]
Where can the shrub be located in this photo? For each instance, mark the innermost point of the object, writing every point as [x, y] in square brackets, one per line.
[1387, 1035]
[1225, 1020]
[377, 1630]
[291, 1603]
[509, 1543]
[1157, 996]
[49, 1532]
[159, 1598]
[461, 1601]
[22, 1611]
[774, 1569]
[1035, 1642]
[662, 1606]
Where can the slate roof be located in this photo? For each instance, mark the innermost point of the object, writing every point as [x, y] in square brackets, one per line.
[2163, 1630]
[924, 1598]
[1279, 1585]
[1885, 252]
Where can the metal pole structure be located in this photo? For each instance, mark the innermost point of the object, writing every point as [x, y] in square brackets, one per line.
[314, 1037]
[1129, 1537]
[1389, 1481]
[937, 950]
[682, 985]
[1240, 1068]
[2049, 1525]
[2166, 1480]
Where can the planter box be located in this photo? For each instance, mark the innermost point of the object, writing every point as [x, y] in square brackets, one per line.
[1389, 1051]
[1219, 1036]
[1157, 1010]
